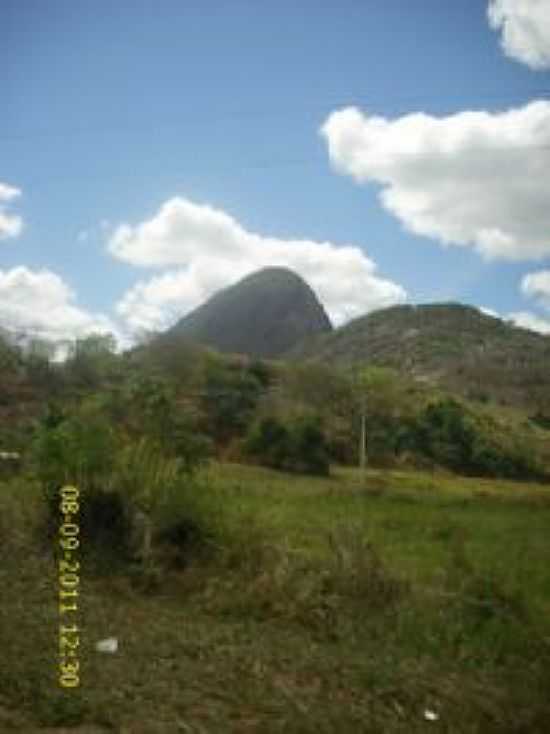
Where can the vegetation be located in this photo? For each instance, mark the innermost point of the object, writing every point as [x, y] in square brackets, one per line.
[449, 346]
[254, 591]
[443, 580]
[454, 437]
[300, 447]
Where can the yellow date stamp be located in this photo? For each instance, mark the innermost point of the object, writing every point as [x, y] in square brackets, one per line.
[69, 584]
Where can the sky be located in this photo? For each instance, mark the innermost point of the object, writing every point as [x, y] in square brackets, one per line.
[153, 152]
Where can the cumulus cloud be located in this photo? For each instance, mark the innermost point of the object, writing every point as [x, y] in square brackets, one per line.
[528, 320]
[207, 249]
[523, 319]
[537, 286]
[474, 179]
[533, 285]
[525, 29]
[10, 224]
[40, 303]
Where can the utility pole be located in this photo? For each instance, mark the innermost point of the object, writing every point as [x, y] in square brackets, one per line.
[361, 391]
[363, 434]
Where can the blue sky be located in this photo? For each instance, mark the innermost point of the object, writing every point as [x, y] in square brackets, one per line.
[153, 152]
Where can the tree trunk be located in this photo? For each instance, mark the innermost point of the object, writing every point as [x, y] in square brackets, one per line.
[147, 538]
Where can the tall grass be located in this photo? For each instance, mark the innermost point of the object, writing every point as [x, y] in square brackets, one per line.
[346, 604]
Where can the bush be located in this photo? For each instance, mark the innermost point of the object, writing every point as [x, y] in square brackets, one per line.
[191, 524]
[301, 447]
[448, 434]
[541, 420]
[77, 449]
[229, 400]
[310, 450]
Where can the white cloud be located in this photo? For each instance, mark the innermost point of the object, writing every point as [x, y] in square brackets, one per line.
[525, 27]
[523, 319]
[537, 285]
[528, 320]
[11, 225]
[489, 312]
[7, 193]
[40, 303]
[208, 250]
[534, 285]
[474, 179]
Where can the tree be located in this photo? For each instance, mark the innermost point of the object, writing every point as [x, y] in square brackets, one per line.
[80, 448]
[382, 405]
[77, 448]
[92, 359]
[300, 446]
[230, 397]
[151, 408]
[323, 390]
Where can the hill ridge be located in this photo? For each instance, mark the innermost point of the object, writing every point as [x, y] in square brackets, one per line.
[453, 345]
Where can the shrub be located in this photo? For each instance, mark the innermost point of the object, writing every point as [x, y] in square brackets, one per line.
[541, 420]
[447, 433]
[309, 452]
[301, 447]
[269, 441]
[79, 448]
[146, 477]
[229, 400]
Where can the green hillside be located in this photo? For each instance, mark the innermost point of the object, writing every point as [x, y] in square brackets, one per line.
[449, 345]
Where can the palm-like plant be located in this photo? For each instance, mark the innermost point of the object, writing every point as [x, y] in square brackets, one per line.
[147, 477]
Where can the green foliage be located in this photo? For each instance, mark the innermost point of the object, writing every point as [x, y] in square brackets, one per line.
[230, 398]
[301, 447]
[42, 374]
[92, 360]
[542, 420]
[387, 402]
[145, 474]
[309, 451]
[319, 389]
[450, 435]
[117, 476]
[77, 448]
[191, 522]
[269, 441]
[150, 404]
[9, 356]
[80, 448]
[281, 618]
[259, 369]
[159, 482]
[151, 409]
[453, 346]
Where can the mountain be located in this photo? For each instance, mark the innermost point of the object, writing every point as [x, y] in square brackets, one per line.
[263, 315]
[450, 345]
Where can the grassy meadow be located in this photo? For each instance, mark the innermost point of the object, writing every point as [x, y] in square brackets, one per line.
[381, 602]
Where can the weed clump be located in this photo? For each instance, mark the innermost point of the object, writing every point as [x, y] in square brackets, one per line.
[328, 596]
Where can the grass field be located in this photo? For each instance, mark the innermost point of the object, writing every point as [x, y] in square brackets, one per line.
[348, 604]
